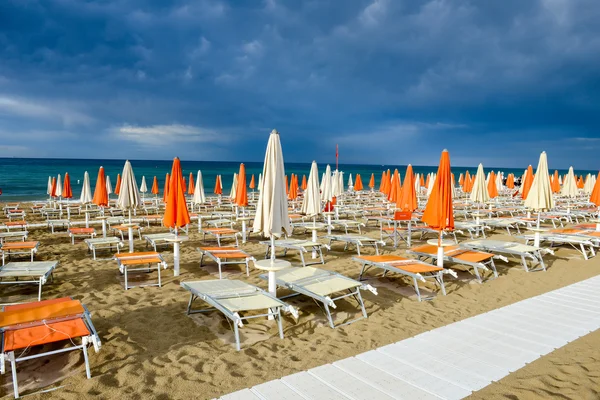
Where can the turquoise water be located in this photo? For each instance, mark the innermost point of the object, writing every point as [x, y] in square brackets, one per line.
[27, 178]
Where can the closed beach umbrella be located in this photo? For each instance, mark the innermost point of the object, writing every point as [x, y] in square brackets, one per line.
[166, 187]
[588, 186]
[350, 182]
[287, 185]
[199, 197]
[430, 184]
[218, 186]
[479, 193]
[109, 189]
[259, 181]
[372, 181]
[154, 189]
[183, 185]
[118, 185]
[49, 188]
[408, 196]
[100, 194]
[527, 182]
[358, 185]
[272, 218]
[67, 191]
[311, 204]
[191, 187]
[439, 213]
[59, 188]
[461, 180]
[540, 197]
[129, 197]
[233, 190]
[86, 190]
[241, 193]
[53, 189]
[293, 195]
[252, 183]
[595, 198]
[305, 183]
[569, 187]
[492, 187]
[143, 186]
[555, 182]
[510, 181]
[326, 194]
[176, 212]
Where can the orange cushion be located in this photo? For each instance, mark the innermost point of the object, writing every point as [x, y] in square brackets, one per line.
[37, 312]
[42, 334]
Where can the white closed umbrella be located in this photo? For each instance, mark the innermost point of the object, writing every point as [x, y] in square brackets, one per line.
[327, 193]
[589, 184]
[431, 182]
[540, 197]
[143, 187]
[109, 189]
[479, 194]
[311, 203]
[199, 197]
[350, 182]
[233, 190]
[569, 187]
[129, 197]
[49, 189]
[86, 196]
[272, 219]
[59, 187]
[340, 186]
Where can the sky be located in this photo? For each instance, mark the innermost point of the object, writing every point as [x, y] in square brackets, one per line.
[390, 81]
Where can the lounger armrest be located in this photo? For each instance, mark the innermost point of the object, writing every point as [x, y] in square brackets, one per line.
[237, 320]
[450, 272]
[292, 310]
[370, 288]
[499, 257]
[329, 302]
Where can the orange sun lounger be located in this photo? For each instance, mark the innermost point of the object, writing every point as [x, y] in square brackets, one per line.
[415, 269]
[225, 255]
[222, 233]
[455, 254]
[26, 326]
[129, 261]
[13, 248]
[81, 233]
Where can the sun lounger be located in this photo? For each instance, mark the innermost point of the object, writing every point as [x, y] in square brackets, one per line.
[20, 235]
[224, 256]
[75, 233]
[103, 243]
[325, 287]
[18, 273]
[130, 262]
[415, 269]
[454, 254]
[151, 218]
[159, 239]
[222, 233]
[232, 298]
[15, 226]
[582, 243]
[347, 224]
[123, 229]
[504, 223]
[32, 325]
[356, 240]
[471, 228]
[16, 213]
[523, 251]
[58, 223]
[18, 248]
[302, 246]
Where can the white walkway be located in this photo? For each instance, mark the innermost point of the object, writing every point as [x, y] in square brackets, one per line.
[453, 361]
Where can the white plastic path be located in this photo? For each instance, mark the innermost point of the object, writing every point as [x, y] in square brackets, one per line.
[453, 361]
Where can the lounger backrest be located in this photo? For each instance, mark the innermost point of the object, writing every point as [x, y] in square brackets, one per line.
[402, 216]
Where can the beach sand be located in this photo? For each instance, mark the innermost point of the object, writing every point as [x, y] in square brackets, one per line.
[152, 350]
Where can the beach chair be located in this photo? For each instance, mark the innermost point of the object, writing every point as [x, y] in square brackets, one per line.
[504, 223]
[576, 239]
[300, 245]
[357, 240]
[233, 298]
[221, 233]
[75, 233]
[122, 230]
[152, 218]
[225, 256]
[103, 243]
[18, 248]
[415, 269]
[58, 223]
[15, 226]
[159, 239]
[325, 287]
[478, 260]
[16, 213]
[11, 236]
[37, 325]
[130, 262]
[19, 273]
[471, 228]
[346, 224]
[523, 251]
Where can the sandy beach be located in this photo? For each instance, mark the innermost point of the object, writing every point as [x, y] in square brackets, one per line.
[151, 349]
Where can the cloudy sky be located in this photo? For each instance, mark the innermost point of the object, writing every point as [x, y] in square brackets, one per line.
[391, 81]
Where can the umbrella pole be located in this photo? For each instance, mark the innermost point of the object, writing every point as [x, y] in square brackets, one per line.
[440, 252]
[176, 255]
[243, 226]
[536, 236]
[314, 236]
[87, 220]
[130, 232]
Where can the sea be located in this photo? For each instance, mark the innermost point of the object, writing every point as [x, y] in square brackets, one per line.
[24, 179]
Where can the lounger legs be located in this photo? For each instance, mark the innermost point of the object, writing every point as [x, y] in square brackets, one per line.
[13, 366]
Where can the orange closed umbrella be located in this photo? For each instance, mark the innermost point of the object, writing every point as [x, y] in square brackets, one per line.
[53, 191]
[461, 180]
[218, 186]
[491, 187]
[372, 181]
[100, 195]
[394, 187]
[67, 191]
[241, 193]
[183, 185]
[252, 183]
[191, 185]
[595, 196]
[555, 182]
[580, 182]
[467, 183]
[304, 183]
[439, 213]
[407, 200]
[166, 188]
[421, 181]
[382, 183]
[118, 185]
[155, 186]
[388, 183]
[358, 185]
[527, 182]
[176, 212]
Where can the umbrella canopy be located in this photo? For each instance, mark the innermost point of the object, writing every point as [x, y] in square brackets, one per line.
[118, 185]
[233, 190]
[166, 188]
[526, 186]
[49, 188]
[589, 184]
[252, 183]
[199, 197]
[218, 185]
[439, 213]
[510, 181]
[595, 196]
[569, 187]
[191, 188]
[293, 194]
[350, 181]
[540, 197]
[67, 192]
[129, 195]
[53, 189]
[86, 190]
[305, 184]
[408, 195]
[492, 186]
[479, 193]
[467, 183]
[176, 212]
[109, 189]
[154, 189]
[272, 210]
[461, 179]
[183, 185]
[372, 181]
[430, 184]
[58, 192]
[395, 188]
[382, 183]
[241, 193]
[358, 185]
[311, 204]
[100, 194]
[143, 186]
[326, 193]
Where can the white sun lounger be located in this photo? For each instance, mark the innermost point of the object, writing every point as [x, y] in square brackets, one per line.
[472, 228]
[20, 235]
[347, 224]
[322, 286]
[159, 239]
[232, 298]
[37, 272]
[302, 246]
[54, 223]
[583, 244]
[129, 262]
[415, 269]
[505, 223]
[357, 240]
[523, 251]
[224, 256]
[103, 244]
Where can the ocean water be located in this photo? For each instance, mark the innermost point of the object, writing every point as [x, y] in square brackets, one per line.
[27, 178]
